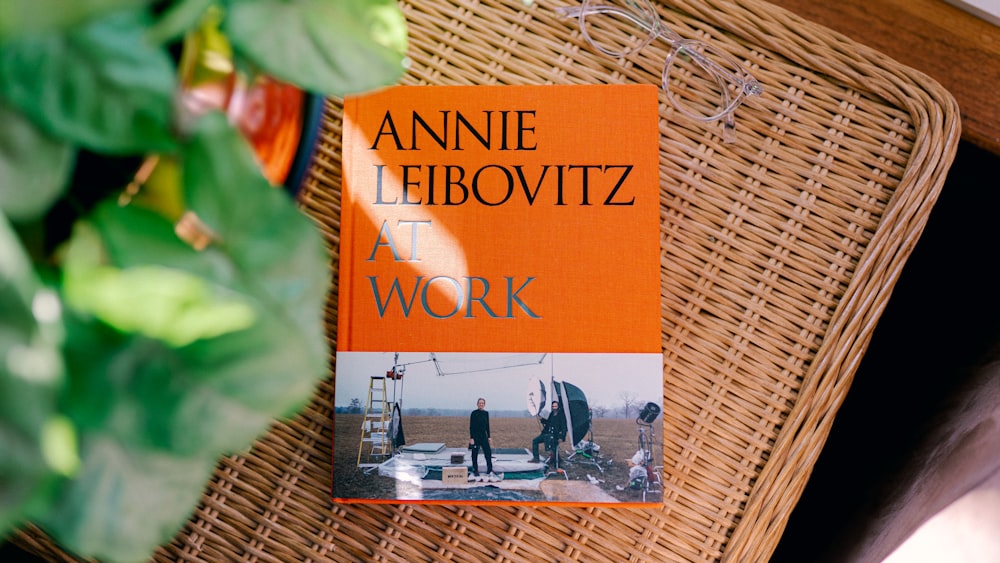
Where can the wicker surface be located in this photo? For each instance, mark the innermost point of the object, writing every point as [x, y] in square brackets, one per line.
[778, 255]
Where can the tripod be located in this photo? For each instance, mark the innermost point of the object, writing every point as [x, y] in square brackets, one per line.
[587, 451]
[650, 480]
[552, 443]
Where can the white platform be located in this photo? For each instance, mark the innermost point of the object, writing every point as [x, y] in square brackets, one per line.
[415, 462]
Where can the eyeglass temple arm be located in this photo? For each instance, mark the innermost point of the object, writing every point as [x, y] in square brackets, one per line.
[729, 129]
[661, 30]
[577, 11]
[729, 121]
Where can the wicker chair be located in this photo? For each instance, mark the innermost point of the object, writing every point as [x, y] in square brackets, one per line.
[779, 253]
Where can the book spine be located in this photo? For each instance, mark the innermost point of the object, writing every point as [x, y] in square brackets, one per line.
[345, 291]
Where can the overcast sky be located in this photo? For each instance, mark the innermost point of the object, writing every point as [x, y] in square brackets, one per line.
[602, 377]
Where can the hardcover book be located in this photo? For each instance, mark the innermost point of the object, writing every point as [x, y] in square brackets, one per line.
[498, 332]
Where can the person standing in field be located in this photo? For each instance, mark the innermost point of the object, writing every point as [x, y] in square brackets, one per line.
[479, 438]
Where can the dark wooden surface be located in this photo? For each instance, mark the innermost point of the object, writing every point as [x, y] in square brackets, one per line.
[957, 49]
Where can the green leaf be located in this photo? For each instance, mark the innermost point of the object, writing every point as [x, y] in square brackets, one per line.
[126, 501]
[178, 18]
[161, 303]
[274, 249]
[134, 236]
[269, 369]
[129, 388]
[210, 398]
[267, 251]
[171, 356]
[125, 387]
[33, 453]
[24, 17]
[34, 167]
[155, 417]
[101, 85]
[332, 47]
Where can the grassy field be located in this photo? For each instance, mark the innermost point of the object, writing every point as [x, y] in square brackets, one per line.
[617, 438]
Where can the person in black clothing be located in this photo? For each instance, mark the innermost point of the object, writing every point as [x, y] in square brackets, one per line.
[479, 437]
[553, 431]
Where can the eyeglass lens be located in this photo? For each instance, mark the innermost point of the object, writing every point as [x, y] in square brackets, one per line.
[618, 28]
[702, 81]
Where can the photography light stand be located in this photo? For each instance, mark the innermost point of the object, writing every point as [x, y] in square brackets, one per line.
[647, 437]
[581, 455]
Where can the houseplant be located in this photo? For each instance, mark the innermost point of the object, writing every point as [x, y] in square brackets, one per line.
[143, 337]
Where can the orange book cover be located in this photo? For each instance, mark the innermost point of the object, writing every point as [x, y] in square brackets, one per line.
[498, 330]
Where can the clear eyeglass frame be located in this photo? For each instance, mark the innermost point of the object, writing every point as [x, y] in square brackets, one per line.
[719, 70]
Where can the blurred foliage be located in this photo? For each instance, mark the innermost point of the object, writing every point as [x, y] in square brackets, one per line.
[130, 358]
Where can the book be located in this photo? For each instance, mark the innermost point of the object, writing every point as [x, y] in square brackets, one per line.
[498, 330]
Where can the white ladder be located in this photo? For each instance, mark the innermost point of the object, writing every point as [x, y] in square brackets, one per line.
[375, 425]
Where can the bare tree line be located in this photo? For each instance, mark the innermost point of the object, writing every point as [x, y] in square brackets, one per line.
[628, 406]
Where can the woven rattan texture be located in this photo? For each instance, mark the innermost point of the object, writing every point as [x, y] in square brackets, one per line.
[778, 255]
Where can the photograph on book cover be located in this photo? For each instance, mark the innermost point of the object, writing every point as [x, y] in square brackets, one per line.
[489, 427]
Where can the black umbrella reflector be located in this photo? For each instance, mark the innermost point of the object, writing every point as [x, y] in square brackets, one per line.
[573, 401]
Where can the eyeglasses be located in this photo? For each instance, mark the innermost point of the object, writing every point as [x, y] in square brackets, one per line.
[701, 81]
